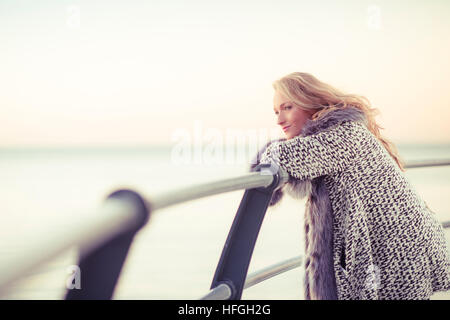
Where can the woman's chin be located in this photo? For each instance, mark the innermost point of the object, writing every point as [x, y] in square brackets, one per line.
[289, 136]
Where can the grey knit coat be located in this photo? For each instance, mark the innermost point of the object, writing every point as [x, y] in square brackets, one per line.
[368, 234]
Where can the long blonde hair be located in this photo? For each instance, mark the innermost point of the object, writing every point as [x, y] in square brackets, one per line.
[310, 94]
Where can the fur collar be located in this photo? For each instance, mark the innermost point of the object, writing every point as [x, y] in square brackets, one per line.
[332, 118]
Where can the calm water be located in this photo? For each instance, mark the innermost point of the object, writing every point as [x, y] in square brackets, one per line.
[175, 255]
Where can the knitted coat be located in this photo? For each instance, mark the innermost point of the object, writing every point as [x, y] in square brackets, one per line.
[368, 234]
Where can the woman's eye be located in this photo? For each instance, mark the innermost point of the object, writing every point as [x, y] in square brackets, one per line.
[285, 108]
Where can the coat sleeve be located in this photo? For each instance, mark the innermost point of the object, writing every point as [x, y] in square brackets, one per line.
[316, 155]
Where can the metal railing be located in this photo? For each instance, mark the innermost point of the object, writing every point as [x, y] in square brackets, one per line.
[427, 163]
[104, 239]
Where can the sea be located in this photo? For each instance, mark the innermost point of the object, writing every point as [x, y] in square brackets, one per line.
[175, 255]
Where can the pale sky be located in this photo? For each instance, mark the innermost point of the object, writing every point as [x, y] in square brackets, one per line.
[93, 73]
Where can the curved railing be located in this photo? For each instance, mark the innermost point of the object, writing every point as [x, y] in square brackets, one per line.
[104, 239]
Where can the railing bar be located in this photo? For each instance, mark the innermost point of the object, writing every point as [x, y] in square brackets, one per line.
[221, 292]
[272, 271]
[112, 217]
[427, 163]
[246, 181]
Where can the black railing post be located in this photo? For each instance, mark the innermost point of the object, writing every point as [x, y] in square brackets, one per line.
[237, 252]
[100, 268]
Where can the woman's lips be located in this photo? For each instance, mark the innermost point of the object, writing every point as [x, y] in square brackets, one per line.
[286, 128]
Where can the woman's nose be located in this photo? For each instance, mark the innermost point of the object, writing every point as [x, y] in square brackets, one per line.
[280, 120]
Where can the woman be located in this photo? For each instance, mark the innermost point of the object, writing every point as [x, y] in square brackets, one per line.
[368, 234]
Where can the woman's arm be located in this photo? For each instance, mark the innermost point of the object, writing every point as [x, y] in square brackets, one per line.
[316, 155]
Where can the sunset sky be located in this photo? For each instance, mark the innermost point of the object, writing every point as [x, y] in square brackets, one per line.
[114, 73]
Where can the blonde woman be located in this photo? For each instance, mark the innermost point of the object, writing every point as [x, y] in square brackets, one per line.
[368, 234]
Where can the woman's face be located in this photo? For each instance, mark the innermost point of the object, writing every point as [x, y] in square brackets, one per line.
[290, 117]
